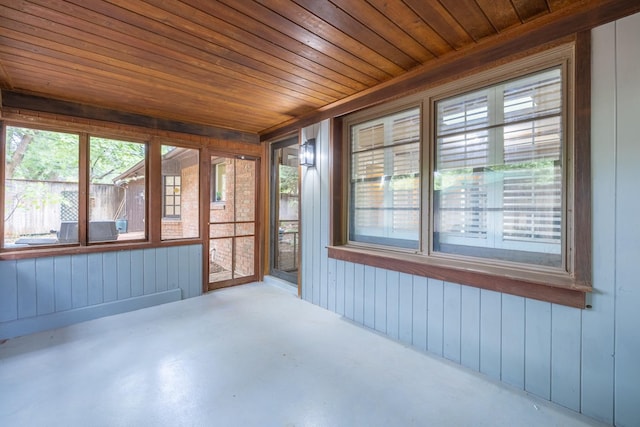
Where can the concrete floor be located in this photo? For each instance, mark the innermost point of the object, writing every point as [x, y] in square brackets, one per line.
[253, 355]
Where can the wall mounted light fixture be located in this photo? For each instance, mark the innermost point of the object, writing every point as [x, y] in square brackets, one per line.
[308, 153]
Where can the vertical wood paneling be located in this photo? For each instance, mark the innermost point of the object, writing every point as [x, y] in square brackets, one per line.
[405, 308]
[322, 139]
[435, 316]
[62, 282]
[349, 274]
[46, 286]
[332, 278]
[358, 293]
[173, 268]
[513, 340]
[45, 298]
[627, 344]
[195, 270]
[149, 275]
[183, 275]
[491, 333]
[110, 276]
[137, 271]
[319, 293]
[537, 370]
[124, 274]
[26, 269]
[420, 310]
[369, 296]
[79, 281]
[470, 328]
[8, 291]
[339, 291]
[380, 300]
[565, 356]
[598, 322]
[393, 304]
[451, 321]
[94, 282]
[162, 280]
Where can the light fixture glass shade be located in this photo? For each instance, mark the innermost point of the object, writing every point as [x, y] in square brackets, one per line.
[308, 153]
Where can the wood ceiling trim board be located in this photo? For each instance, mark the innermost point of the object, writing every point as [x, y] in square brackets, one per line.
[471, 18]
[72, 55]
[126, 52]
[314, 24]
[355, 29]
[283, 32]
[36, 103]
[409, 21]
[200, 25]
[436, 16]
[549, 28]
[500, 13]
[386, 28]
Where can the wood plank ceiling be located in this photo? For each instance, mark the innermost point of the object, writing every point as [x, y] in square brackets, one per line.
[239, 64]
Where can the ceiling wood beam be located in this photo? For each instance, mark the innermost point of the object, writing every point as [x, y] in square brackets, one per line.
[37, 103]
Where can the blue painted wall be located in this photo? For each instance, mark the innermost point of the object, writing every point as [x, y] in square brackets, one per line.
[43, 293]
[586, 360]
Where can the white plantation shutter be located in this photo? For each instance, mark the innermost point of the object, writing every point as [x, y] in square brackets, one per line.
[385, 180]
[462, 145]
[532, 196]
[498, 167]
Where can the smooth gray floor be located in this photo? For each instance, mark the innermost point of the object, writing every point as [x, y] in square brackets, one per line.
[253, 355]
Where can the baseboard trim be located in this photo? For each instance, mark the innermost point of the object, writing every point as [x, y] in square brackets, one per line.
[20, 327]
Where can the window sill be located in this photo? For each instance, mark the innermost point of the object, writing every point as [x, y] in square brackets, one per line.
[553, 288]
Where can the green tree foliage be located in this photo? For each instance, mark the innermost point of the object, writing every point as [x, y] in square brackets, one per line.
[110, 158]
[41, 155]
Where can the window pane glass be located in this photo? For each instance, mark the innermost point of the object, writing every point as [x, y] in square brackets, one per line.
[385, 181]
[117, 190]
[181, 198]
[40, 188]
[498, 172]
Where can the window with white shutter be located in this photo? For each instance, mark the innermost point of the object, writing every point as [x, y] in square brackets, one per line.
[385, 180]
[484, 182]
[498, 171]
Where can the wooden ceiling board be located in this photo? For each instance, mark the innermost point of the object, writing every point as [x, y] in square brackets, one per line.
[102, 60]
[334, 37]
[128, 37]
[405, 18]
[260, 51]
[437, 16]
[529, 9]
[386, 28]
[295, 39]
[350, 26]
[254, 65]
[471, 18]
[500, 13]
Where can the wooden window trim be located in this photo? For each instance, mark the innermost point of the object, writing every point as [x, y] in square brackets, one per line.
[152, 187]
[566, 289]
